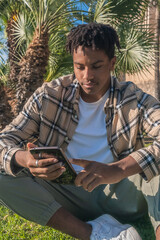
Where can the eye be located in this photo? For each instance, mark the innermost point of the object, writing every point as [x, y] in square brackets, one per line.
[80, 67]
[96, 67]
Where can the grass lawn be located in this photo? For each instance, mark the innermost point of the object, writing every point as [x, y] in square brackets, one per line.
[14, 227]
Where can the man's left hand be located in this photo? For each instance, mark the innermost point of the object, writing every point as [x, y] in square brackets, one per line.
[95, 174]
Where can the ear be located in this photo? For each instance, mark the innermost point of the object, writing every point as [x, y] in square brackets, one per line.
[112, 63]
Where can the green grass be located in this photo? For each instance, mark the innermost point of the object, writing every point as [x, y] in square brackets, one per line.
[144, 228]
[13, 227]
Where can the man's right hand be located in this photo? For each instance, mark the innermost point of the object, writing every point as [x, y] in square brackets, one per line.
[48, 168]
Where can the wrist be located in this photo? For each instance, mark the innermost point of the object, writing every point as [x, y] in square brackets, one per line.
[15, 167]
[18, 158]
[127, 167]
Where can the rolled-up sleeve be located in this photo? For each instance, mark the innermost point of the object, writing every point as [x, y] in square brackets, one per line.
[149, 157]
[22, 129]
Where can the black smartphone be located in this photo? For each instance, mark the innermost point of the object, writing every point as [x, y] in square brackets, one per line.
[69, 175]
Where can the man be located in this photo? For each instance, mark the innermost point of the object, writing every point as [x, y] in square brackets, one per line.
[99, 123]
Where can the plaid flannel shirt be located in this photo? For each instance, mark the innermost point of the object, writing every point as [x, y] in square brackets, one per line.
[51, 115]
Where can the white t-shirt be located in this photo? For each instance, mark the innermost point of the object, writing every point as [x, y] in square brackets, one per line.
[90, 138]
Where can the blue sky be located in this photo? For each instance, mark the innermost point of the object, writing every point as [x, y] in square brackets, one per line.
[3, 50]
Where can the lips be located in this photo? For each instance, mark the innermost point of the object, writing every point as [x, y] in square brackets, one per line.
[89, 84]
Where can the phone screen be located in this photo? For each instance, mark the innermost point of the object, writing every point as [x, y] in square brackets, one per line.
[69, 175]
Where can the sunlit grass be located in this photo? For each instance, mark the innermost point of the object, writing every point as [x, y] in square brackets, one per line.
[13, 227]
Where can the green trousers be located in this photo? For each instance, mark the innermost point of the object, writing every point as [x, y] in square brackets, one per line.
[37, 200]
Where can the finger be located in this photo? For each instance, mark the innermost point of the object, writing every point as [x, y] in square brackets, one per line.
[87, 181]
[49, 161]
[95, 183]
[41, 163]
[47, 164]
[80, 162]
[52, 175]
[80, 177]
[47, 170]
[43, 155]
[30, 145]
[54, 167]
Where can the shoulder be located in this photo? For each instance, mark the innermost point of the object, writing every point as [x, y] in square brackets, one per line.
[60, 83]
[57, 86]
[63, 81]
[128, 86]
[131, 91]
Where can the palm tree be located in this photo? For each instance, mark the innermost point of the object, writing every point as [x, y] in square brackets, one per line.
[9, 10]
[136, 41]
[48, 19]
[42, 54]
[127, 17]
[9, 71]
[60, 63]
[6, 95]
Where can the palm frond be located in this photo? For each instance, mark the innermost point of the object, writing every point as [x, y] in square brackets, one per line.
[3, 53]
[103, 12]
[113, 11]
[9, 7]
[128, 10]
[55, 19]
[45, 12]
[59, 61]
[4, 71]
[59, 65]
[137, 49]
[23, 30]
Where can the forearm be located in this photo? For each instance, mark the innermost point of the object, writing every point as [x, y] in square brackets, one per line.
[126, 167]
[95, 173]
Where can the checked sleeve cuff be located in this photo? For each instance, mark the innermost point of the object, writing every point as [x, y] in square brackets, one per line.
[148, 164]
[8, 159]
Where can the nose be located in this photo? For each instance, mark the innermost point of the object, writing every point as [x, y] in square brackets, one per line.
[88, 74]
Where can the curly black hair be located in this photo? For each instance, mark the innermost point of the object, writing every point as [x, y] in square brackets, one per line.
[94, 35]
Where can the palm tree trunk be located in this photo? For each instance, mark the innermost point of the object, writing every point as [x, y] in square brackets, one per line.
[6, 113]
[33, 66]
[8, 93]
[13, 53]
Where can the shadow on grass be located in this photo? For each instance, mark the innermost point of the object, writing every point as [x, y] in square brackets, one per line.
[144, 228]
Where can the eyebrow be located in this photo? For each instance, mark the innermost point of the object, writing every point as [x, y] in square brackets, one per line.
[98, 61]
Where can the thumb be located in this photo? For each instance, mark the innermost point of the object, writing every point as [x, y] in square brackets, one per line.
[80, 162]
[30, 145]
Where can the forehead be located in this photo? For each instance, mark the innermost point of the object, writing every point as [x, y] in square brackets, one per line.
[89, 53]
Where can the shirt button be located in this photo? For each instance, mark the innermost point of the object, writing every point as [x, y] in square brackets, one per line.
[76, 116]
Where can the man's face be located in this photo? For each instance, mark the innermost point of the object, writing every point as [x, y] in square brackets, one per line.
[92, 70]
